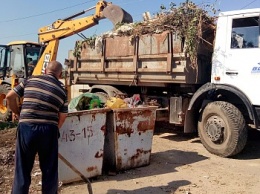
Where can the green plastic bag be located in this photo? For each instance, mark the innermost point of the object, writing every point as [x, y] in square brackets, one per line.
[85, 101]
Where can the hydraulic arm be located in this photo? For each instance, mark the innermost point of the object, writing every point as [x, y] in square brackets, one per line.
[49, 36]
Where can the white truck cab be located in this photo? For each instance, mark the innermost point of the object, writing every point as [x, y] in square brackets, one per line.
[236, 59]
[231, 101]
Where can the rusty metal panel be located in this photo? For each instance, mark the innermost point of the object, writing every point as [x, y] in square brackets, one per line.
[90, 65]
[152, 65]
[177, 46]
[81, 145]
[129, 140]
[120, 65]
[119, 46]
[151, 79]
[154, 44]
[90, 51]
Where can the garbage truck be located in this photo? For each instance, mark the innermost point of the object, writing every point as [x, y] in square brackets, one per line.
[209, 89]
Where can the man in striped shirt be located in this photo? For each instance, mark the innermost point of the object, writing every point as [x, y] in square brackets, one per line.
[43, 112]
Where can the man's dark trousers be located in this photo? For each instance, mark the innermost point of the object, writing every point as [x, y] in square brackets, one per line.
[33, 139]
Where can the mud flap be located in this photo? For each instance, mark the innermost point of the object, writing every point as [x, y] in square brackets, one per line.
[117, 15]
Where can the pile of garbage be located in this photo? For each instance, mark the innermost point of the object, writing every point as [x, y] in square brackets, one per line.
[180, 19]
[85, 101]
[88, 101]
[192, 23]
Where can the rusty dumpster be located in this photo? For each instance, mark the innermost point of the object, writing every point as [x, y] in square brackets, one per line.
[128, 139]
[81, 145]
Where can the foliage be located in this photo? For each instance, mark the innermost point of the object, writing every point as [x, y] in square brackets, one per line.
[7, 125]
[188, 21]
[118, 25]
[77, 48]
[90, 41]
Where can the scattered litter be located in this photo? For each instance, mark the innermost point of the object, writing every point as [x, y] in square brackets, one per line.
[36, 174]
[60, 184]
[40, 183]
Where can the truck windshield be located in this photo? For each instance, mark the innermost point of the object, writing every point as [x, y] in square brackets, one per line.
[245, 33]
[32, 53]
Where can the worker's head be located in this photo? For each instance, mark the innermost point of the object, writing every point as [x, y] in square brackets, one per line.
[54, 68]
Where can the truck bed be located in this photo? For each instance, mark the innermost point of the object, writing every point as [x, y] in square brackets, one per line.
[146, 60]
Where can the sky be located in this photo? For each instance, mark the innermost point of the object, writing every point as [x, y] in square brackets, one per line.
[20, 20]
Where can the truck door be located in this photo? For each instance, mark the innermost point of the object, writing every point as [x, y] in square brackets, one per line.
[240, 61]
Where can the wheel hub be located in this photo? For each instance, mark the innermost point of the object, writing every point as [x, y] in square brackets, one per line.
[215, 128]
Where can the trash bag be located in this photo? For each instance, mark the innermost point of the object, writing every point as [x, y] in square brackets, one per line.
[133, 101]
[84, 101]
[95, 103]
[114, 102]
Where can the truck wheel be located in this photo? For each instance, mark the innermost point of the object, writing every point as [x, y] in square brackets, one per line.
[5, 113]
[222, 129]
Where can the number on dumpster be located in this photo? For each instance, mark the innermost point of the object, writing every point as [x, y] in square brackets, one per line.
[73, 135]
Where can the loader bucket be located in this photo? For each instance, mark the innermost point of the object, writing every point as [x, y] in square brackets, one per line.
[117, 15]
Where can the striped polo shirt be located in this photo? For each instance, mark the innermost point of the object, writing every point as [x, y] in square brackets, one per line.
[43, 98]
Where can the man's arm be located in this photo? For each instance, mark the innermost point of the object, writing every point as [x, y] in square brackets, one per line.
[62, 117]
[11, 98]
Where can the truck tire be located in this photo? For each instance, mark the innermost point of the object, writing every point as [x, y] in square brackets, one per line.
[5, 113]
[222, 129]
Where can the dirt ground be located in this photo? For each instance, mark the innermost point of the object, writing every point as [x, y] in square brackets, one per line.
[179, 164]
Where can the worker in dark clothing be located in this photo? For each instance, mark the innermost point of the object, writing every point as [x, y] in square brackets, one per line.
[43, 112]
[30, 67]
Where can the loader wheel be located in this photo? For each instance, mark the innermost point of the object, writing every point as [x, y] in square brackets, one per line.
[5, 113]
[222, 129]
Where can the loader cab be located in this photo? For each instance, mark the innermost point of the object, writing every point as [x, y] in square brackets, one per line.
[14, 68]
[23, 57]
